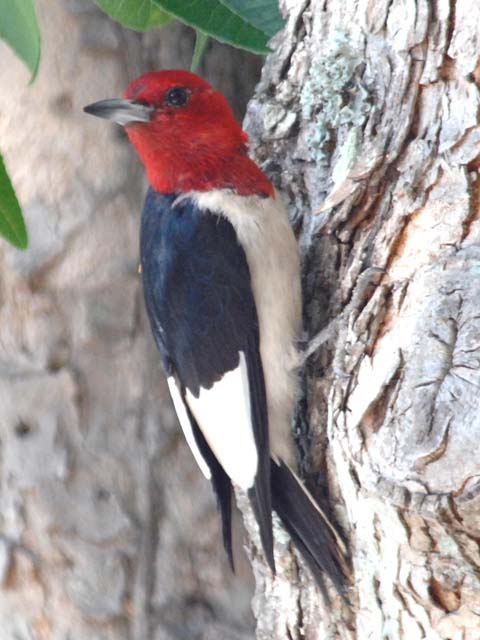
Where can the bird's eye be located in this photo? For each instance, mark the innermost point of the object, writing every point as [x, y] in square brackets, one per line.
[177, 97]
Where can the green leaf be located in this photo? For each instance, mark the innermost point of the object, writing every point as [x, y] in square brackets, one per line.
[140, 15]
[19, 27]
[12, 224]
[215, 18]
[262, 14]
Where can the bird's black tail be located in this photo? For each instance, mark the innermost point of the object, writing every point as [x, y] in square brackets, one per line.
[313, 535]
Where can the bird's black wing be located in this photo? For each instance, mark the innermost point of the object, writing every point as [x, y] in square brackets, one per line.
[200, 303]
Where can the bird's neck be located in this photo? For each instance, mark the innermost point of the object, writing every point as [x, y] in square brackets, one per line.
[185, 169]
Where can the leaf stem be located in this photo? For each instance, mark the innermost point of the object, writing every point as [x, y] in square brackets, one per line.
[201, 40]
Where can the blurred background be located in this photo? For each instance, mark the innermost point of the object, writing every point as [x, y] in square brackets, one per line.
[107, 528]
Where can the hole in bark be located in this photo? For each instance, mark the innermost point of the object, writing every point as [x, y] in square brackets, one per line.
[446, 599]
[23, 429]
[377, 413]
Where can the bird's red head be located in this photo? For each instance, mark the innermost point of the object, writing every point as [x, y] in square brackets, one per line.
[186, 135]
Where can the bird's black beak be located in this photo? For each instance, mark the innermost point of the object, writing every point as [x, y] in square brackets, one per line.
[122, 112]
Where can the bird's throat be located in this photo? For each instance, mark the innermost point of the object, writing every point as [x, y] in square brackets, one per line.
[183, 169]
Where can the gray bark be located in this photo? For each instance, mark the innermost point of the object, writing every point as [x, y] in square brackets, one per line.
[367, 117]
[107, 528]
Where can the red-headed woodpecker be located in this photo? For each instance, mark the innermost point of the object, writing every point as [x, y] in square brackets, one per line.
[221, 279]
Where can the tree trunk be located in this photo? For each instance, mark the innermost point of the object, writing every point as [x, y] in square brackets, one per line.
[107, 528]
[366, 116]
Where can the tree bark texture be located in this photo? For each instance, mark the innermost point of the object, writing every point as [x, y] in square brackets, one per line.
[367, 118]
[107, 528]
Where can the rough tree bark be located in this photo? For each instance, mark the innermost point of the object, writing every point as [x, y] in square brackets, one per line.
[107, 529]
[367, 118]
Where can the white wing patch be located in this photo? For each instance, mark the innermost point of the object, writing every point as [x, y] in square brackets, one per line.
[184, 420]
[223, 414]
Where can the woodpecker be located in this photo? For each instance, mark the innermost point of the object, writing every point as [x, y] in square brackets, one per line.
[221, 279]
